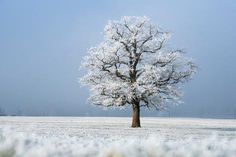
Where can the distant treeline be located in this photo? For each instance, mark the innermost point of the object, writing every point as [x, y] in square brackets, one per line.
[2, 112]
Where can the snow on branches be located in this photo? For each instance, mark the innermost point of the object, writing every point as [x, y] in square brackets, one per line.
[133, 64]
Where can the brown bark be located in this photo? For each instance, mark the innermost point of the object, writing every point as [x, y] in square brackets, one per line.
[136, 115]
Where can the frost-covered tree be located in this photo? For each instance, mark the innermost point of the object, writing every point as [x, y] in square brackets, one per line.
[134, 67]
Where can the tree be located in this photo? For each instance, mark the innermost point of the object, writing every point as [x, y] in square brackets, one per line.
[134, 67]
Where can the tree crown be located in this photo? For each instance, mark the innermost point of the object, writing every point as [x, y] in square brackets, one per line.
[134, 64]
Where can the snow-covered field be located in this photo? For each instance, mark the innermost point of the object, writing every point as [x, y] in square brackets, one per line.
[112, 137]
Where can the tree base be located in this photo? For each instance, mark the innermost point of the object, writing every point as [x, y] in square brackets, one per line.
[135, 126]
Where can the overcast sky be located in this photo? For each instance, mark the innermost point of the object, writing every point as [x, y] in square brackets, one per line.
[42, 44]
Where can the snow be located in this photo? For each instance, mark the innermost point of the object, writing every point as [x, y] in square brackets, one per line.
[112, 137]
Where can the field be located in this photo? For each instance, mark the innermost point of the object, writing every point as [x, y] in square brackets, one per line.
[113, 137]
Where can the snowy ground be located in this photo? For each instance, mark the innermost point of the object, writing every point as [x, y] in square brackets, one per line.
[112, 137]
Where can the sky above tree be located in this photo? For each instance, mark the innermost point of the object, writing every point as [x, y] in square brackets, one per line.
[42, 44]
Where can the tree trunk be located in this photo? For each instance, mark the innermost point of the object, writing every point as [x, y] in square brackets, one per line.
[136, 115]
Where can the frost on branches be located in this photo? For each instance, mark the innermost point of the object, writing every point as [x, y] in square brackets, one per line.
[134, 66]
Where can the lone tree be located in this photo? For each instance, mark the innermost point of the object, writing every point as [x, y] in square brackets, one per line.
[134, 67]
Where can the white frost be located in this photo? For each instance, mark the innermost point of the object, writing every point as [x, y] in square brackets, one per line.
[134, 63]
[111, 137]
